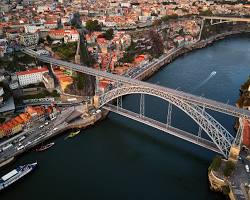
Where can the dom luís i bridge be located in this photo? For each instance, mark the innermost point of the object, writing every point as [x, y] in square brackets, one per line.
[218, 139]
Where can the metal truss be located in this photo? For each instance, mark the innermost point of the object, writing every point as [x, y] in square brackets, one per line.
[217, 133]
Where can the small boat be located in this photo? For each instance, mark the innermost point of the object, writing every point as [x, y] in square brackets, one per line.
[213, 73]
[44, 147]
[73, 134]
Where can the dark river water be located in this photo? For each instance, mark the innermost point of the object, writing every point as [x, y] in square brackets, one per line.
[121, 159]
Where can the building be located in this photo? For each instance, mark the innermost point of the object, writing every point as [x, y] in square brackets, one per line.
[29, 39]
[179, 40]
[32, 76]
[16, 124]
[10, 127]
[33, 28]
[71, 35]
[51, 25]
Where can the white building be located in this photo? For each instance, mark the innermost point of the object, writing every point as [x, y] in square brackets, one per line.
[71, 36]
[29, 39]
[126, 5]
[33, 28]
[41, 9]
[31, 76]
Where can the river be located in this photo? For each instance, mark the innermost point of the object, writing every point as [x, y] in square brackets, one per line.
[122, 159]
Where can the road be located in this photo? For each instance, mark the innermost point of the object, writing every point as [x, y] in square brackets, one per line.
[240, 176]
[35, 134]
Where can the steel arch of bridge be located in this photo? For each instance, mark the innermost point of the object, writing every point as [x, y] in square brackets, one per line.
[217, 133]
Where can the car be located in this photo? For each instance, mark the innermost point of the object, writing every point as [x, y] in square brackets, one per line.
[20, 148]
[247, 168]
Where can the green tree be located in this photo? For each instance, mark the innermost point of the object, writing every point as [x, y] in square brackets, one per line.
[206, 12]
[109, 34]
[157, 44]
[229, 167]
[76, 20]
[216, 163]
[66, 51]
[80, 81]
[49, 39]
[165, 18]
[128, 57]
[93, 25]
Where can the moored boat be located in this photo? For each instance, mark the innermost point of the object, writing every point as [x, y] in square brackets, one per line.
[73, 134]
[44, 147]
[16, 174]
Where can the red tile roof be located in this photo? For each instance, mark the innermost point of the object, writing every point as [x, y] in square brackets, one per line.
[32, 71]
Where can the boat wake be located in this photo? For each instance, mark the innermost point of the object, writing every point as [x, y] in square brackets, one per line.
[213, 73]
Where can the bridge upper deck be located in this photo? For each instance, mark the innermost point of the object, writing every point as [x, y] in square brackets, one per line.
[201, 101]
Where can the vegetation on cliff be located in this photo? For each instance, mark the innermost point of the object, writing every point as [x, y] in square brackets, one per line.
[229, 168]
[244, 99]
[83, 85]
[225, 167]
[216, 163]
[42, 94]
[66, 51]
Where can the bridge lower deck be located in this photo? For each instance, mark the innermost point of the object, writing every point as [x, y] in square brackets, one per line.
[163, 127]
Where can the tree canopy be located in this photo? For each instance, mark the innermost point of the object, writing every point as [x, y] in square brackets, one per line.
[216, 163]
[76, 20]
[229, 167]
[109, 34]
[93, 25]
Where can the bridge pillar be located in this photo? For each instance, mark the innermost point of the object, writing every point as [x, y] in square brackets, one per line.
[234, 153]
[96, 102]
[235, 148]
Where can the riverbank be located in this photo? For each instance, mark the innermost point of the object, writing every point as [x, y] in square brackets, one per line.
[168, 58]
[227, 185]
[76, 124]
[141, 153]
